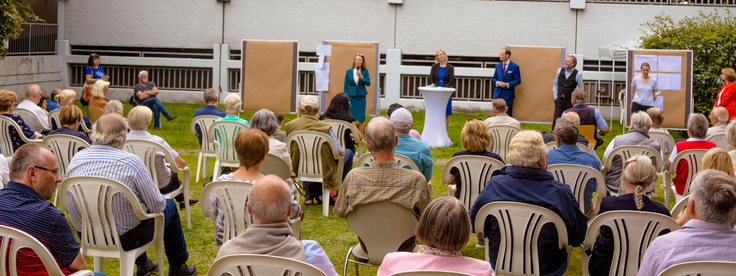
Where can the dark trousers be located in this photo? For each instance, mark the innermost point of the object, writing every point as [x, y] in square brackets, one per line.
[635, 107]
[506, 96]
[175, 245]
[174, 184]
[560, 107]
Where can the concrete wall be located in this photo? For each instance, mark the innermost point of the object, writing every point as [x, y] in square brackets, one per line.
[17, 73]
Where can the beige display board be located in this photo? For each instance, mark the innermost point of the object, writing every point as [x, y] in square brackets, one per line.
[678, 103]
[269, 75]
[341, 59]
[538, 66]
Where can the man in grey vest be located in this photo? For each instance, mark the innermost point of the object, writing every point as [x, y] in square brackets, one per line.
[565, 82]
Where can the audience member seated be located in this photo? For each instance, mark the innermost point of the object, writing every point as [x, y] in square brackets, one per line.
[106, 159]
[139, 118]
[706, 235]
[264, 120]
[416, 150]
[719, 120]
[550, 137]
[67, 97]
[211, 99]
[42, 104]
[232, 109]
[252, 148]
[70, 117]
[339, 109]
[24, 206]
[731, 137]
[638, 135]
[33, 97]
[526, 180]
[697, 128]
[113, 106]
[444, 227]
[588, 115]
[383, 180]
[52, 104]
[475, 140]
[718, 159]
[7, 100]
[639, 173]
[657, 116]
[99, 92]
[309, 108]
[280, 134]
[393, 107]
[499, 115]
[4, 170]
[145, 93]
[270, 205]
[567, 152]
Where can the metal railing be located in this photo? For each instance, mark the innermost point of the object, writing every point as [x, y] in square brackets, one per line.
[36, 38]
[717, 3]
[172, 78]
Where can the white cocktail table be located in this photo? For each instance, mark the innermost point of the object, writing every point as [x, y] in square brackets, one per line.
[435, 105]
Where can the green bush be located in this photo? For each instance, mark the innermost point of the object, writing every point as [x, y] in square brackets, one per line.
[12, 14]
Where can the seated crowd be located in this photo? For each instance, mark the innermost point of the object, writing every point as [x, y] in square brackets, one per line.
[444, 225]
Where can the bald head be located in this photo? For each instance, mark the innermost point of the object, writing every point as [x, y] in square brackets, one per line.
[719, 115]
[572, 116]
[381, 135]
[33, 93]
[269, 201]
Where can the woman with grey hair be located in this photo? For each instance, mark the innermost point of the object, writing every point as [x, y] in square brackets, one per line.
[638, 135]
[113, 106]
[266, 121]
[232, 109]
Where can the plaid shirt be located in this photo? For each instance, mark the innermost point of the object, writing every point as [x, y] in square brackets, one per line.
[383, 181]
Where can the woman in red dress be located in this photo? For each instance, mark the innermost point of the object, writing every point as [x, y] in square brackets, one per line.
[727, 96]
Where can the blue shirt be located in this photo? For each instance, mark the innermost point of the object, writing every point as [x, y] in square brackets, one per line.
[96, 73]
[441, 77]
[599, 121]
[51, 105]
[571, 154]
[21, 208]
[207, 110]
[418, 152]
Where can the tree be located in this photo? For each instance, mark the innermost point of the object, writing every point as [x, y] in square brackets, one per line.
[711, 37]
[12, 14]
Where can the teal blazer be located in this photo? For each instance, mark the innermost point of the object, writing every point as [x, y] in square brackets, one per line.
[351, 88]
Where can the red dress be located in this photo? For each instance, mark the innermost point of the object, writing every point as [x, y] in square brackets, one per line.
[727, 98]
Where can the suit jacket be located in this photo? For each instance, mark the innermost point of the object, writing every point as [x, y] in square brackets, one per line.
[512, 77]
[727, 97]
[448, 80]
[351, 88]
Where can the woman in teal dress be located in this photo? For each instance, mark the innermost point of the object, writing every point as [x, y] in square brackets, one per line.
[356, 80]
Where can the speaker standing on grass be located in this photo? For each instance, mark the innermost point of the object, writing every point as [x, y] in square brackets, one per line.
[356, 79]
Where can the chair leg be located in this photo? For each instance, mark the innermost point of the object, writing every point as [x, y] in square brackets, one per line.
[216, 173]
[127, 265]
[160, 255]
[347, 258]
[199, 165]
[325, 201]
[186, 207]
[205, 165]
[667, 190]
[99, 264]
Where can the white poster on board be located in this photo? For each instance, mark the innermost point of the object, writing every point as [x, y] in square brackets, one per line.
[659, 102]
[669, 82]
[651, 59]
[671, 64]
[322, 77]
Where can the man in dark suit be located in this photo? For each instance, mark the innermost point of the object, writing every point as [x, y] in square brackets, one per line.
[506, 78]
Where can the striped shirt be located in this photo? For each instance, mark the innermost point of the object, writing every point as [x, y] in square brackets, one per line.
[108, 162]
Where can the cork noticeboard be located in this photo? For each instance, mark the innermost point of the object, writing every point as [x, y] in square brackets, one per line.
[268, 75]
[538, 65]
[341, 60]
[677, 103]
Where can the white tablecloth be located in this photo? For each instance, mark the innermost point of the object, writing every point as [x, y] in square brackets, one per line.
[435, 105]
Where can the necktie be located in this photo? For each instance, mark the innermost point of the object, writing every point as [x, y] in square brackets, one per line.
[504, 69]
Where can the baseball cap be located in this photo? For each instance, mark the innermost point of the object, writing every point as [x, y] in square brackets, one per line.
[309, 101]
[402, 115]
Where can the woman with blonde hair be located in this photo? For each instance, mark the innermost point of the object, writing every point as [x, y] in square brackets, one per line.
[442, 74]
[99, 92]
[64, 98]
[476, 141]
[638, 173]
[7, 101]
[718, 159]
[357, 78]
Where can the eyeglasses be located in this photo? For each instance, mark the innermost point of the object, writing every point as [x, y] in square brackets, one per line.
[358, 54]
[54, 172]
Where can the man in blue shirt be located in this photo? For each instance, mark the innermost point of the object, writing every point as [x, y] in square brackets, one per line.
[210, 108]
[416, 150]
[567, 152]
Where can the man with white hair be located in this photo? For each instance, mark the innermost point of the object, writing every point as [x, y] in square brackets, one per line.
[499, 115]
[526, 180]
[106, 159]
[211, 99]
[416, 150]
[33, 96]
[113, 106]
[706, 233]
[269, 204]
[144, 93]
[697, 129]
[638, 135]
[232, 109]
[719, 120]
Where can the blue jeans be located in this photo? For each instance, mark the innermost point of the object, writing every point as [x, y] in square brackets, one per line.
[175, 245]
[156, 106]
[349, 153]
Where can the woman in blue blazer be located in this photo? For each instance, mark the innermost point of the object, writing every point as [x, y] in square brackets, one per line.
[443, 75]
[356, 79]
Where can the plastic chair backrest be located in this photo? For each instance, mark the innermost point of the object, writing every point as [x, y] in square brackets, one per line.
[224, 133]
[720, 140]
[584, 148]
[588, 131]
[146, 151]
[401, 160]
[626, 152]
[6, 144]
[14, 240]
[577, 177]
[475, 172]
[310, 157]
[64, 148]
[694, 159]
[205, 123]
[232, 196]
[30, 119]
[254, 265]
[429, 273]
[664, 140]
[680, 206]
[276, 166]
[632, 232]
[85, 129]
[339, 127]
[518, 253]
[54, 118]
[700, 268]
[382, 226]
[95, 113]
[502, 135]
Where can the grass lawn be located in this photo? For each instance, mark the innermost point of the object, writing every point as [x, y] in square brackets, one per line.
[331, 232]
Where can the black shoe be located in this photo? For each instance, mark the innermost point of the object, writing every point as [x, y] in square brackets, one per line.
[170, 117]
[184, 270]
[156, 128]
[191, 202]
[146, 269]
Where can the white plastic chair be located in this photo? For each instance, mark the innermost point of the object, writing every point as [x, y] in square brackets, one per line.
[663, 139]
[309, 169]
[276, 166]
[502, 135]
[207, 149]
[584, 148]
[254, 265]
[577, 177]
[92, 196]
[694, 160]
[84, 127]
[518, 254]
[339, 127]
[222, 135]
[680, 206]
[21, 240]
[632, 231]
[146, 151]
[429, 273]
[622, 105]
[700, 268]
[720, 140]
[64, 148]
[626, 152]
[54, 118]
[31, 119]
[475, 172]
[401, 160]
[6, 145]
[382, 226]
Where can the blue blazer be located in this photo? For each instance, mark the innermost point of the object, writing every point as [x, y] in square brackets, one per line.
[512, 77]
[351, 88]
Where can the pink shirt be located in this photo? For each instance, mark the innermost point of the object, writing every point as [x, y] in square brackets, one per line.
[406, 261]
